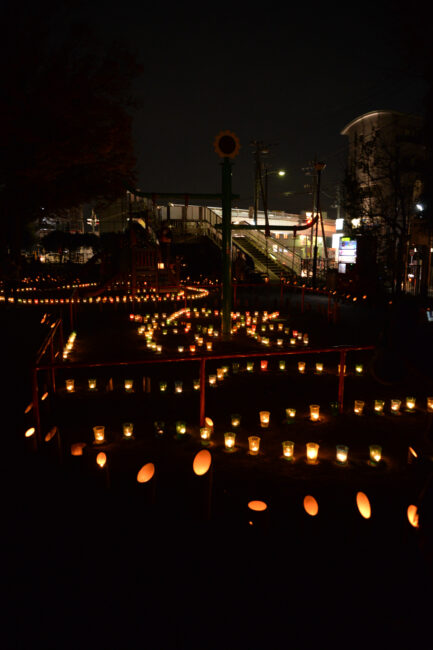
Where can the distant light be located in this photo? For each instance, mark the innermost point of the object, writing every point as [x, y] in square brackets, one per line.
[420, 207]
[281, 172]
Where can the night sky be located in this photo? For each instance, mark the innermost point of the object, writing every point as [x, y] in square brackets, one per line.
[292, 77]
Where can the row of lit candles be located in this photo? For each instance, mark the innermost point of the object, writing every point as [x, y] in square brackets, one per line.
[288, 446]
[66, 350]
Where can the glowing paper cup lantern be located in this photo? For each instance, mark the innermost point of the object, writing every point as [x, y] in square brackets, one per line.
[202, 462]
[159, 427]
[290, 414]
[70, 386]
[319, 368]
[311, 506]
[196, 384]
[263, 364]
[163, 386]
[77, 448]
[178, 386]
[129, 385]
[342, 454]
[235, 420]
[314, 412]
[128, 430]
[265, 417]
[229, 441]
[375, 454]
[220, 374]
[282, 365]
[429, 403]
[99, 434]
[146, 473]
[410, 404]
[253, 445]
[301, 367]
[363, 505]
[250, 366]
[312, 453]
[395, 406]
[288, 449]
[359, 407]
[205, 434]
[359, 368]
[378, 406]
[180, 428]
[212, 380]
[92, 384]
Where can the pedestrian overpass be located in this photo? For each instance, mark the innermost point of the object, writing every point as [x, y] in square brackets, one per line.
[282, 254]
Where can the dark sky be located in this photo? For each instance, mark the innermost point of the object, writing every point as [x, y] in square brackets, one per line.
[292, 77]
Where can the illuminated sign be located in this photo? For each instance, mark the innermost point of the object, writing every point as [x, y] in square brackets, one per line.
[347, 251]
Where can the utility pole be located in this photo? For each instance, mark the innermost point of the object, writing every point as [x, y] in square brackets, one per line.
[318, 167]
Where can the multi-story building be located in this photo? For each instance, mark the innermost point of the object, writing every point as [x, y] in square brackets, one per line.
[382, 186]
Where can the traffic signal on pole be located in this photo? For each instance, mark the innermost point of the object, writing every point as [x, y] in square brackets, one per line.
[226, 144]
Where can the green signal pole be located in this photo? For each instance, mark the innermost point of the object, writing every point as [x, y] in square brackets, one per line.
[226, 247]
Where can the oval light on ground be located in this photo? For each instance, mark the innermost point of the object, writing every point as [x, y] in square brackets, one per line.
[29, 408]
[208, 422]
[146, 473]
[413, 517]
[202, 462]
[363, 504]
[101, 459]
[311, 506]
[257, 506]
[77, 448]
[30, 432]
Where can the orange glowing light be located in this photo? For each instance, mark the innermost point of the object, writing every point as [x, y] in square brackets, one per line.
[30, 432]
[311, 506]
[101, 459]
[29, 408]
[363, 504]
[77, 448]
[44, 397]
[257, 506]
[50, 435]
[413, 516]
[146, 473]
[202, 462]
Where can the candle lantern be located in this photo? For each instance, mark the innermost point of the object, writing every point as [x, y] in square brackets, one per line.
[429, 403]
[378, 406]
[290, 414]
[280, 327]
[263, 364]
[292, 341]
[162, 386]
[375, 454]
[92, 384]
[220, 374]
[180, 348]
[192, 349]
[359, 407]
[265, 417]
[212, 380]
[70, 386]
[280, 342]
[229, 441]
[300, 336]
[205, 434]
[301, 367]
[196, 384]
[235, 420]
[306, 339]
[395, 406]
[254, 445]
[314, 412]
[209, 346]
[159, 427]
[319, 368]
[178, 386]
[250, 366]
[128, 430]
[282, 365]
[288, 449]
[99, 434]
[410, 404]
[225, 370]
[312, 453]
[180, 428]
[359, 368]
[128, 385]
[342, 454]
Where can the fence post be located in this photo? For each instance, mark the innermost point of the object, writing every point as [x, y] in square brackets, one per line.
[341, 381]
[202, 391]
[35, 400]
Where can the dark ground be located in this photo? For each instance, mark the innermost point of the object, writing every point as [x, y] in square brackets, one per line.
[90, 567]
